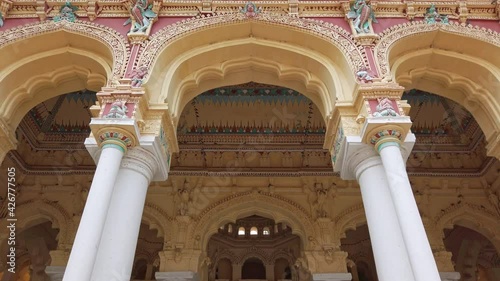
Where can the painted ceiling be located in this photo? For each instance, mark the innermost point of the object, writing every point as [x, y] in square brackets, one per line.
[255, 126]
[251, 109]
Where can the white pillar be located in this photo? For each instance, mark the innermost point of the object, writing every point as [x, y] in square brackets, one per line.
[84, 251]
[55, 273]
[119, 239]
[412, 227]
[391, 257]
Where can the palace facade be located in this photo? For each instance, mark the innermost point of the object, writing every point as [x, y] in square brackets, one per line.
[268, 140]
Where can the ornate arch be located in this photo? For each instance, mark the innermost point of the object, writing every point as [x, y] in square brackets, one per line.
[471, 216]
[31, 212]
[392, 35]
[116, 43]
[158, 219]
[253, 253]
[349, 219]
[336, 35]
[423, 56]
[240, 205]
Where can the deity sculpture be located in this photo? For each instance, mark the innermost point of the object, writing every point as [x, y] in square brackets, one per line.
[384, 108]
[432, 16]
[141, 16]
[365, 75]
[67, 12]
[118, 110]
[1, 20]
[317, 199]
[361, 13]
[138, 75]
[302, 270]
[250, 10]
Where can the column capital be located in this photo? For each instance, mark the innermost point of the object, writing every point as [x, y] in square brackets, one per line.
[142, 161]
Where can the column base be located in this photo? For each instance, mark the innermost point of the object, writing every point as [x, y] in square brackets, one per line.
[55, 273]
[449, 276]
[332, 277]
[176, 276]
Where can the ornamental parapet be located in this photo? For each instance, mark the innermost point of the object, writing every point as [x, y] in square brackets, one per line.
[376, 116]
[123, 117]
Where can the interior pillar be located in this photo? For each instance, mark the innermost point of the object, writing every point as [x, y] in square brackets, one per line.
[115, 256]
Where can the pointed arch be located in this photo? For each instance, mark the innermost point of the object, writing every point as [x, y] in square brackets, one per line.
[207, 52]
[251, 203]
[46, 59]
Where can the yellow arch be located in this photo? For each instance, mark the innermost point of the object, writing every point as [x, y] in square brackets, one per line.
[48, 59]
[428, 57]
[314, 58]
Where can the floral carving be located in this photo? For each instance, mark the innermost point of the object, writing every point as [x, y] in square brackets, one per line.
[115, 42]
[392, 35]
[355, 55]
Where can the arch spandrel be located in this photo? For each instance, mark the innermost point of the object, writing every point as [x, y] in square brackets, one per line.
[250, 203]
[165, 52]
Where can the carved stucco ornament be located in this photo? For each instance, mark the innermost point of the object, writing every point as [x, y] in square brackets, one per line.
[67, 13]
[432, 16]
[143, 14]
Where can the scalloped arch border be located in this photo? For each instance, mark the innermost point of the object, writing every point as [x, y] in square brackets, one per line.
[54, 212]
[484, 219]
[204, 226]
[340, 38]
[117, 44]
[390, 37]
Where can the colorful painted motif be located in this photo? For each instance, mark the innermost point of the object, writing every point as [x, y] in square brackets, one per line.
[138, 75]
[1, 20]
[384, 108]
[141, 16]
[67, 13]
[432, 16]
[362, 13]
[250, 10]
[118, 110]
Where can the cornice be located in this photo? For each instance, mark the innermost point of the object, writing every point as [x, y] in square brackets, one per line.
[483, 10]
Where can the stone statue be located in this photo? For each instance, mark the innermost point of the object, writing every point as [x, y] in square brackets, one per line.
[303, 272]
[186, 197]
[317, 199]
[494, 200]
[384, 108]
[118, 110]
[1, 20]
[141, 16]
[138, 75]
[361, 13]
